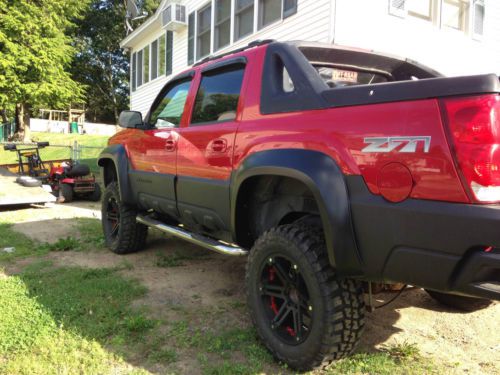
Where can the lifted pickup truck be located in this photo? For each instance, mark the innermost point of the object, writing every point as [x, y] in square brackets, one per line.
[330, 167]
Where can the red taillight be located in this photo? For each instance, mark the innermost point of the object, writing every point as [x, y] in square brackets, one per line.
[474, 124]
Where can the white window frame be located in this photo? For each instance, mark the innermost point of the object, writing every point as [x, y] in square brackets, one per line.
[232, 35]
[437, 16]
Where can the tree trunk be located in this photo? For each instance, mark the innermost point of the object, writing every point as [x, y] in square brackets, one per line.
[3, 113]
[22, 122]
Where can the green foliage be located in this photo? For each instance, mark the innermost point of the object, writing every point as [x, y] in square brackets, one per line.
[35, 52]
[100, 63]
[22, 245]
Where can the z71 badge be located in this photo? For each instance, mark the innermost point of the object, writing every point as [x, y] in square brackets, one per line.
[388, 144]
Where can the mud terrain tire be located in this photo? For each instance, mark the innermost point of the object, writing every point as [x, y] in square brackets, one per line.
[123, 235]
[332, 309]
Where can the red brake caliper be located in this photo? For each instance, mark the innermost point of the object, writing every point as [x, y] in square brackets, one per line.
[274, 306]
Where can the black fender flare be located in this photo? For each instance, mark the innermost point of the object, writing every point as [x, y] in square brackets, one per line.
[118, 156]
[321, 174]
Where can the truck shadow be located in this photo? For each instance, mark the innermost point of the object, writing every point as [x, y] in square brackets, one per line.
[184, 285]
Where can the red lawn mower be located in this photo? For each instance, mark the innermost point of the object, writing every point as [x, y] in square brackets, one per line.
[66, 179]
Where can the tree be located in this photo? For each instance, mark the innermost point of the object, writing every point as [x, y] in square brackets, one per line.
[100, 64]
[35, 52]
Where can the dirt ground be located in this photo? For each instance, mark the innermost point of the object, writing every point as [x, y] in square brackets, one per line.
[465, 343]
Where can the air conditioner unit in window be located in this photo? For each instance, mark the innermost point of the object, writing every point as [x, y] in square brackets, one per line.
[174, 17]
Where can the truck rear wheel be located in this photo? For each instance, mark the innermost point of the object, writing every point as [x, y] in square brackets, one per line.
[304, 314]
[123, 235]
[462, 303]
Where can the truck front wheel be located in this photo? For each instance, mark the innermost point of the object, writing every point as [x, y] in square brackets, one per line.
[304, 314]
[122, 233]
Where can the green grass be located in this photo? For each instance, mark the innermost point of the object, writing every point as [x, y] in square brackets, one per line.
[81, 320]
[59, 320]
[54, 153]
[399, 359]
[22, 245]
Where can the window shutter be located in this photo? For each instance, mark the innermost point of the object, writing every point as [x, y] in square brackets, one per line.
[478, 19]
[191, 24]
[289, 8]
[397, 8]
[139, 68]
[169, 52]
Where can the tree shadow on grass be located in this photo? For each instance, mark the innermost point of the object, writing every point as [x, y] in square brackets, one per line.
[96, 303]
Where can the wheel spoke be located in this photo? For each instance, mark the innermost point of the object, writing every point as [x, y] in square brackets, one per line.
[112, 215]
[282, 274]
[297, 322]
[273, 290]
[114, 230]
[283, 312]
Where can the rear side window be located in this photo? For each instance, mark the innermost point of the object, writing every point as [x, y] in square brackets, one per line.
[218, 95]
[334, 77]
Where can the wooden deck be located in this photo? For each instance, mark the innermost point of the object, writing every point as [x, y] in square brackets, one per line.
[11, 193]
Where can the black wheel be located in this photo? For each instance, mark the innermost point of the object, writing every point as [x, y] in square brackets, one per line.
[66, 193]
[304, 315]
[95, 196]
[122, 233]
[461, 303]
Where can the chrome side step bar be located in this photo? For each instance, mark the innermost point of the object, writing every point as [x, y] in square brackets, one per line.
[194, 238]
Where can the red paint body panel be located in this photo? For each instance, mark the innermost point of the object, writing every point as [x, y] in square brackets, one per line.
[337, 132]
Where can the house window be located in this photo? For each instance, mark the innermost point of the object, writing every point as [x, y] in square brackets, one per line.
[145, 65]
[139, 68]
[269, 12]
[222, 23]
[420, 9]
[243, 18]
[154, 60]
[478, 19]
[204, 31]
[289, 8]
[169, 55]
[161, 55]
[218, 95]
[191, 38]
[134, 71]
[454, 14]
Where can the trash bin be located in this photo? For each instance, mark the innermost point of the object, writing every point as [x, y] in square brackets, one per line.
[74, 127]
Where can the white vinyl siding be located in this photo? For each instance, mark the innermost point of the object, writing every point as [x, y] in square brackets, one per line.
[290, 28]
[444, 49]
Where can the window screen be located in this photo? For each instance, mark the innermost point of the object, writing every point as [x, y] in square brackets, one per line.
[222, 23]
[169, 54]
[145, 76]
[204, 32]
[269, 12]
[289, 8]
[218, 95]
[154, 60]
[139, 68]
[162, 53]
[479, 18]
[191, 38]
[168, 112]
[243, 18]
[134, 71]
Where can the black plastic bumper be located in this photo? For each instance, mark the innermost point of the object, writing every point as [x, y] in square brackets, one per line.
[434, 245]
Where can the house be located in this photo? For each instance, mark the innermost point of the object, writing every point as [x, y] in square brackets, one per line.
[455, 37]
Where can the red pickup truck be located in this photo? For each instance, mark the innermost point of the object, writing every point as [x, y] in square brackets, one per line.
[332, 168]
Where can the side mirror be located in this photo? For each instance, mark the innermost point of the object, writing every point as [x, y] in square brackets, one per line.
[130, 119]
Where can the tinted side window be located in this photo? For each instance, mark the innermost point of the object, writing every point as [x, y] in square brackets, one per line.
[218, 95]
[168, 112]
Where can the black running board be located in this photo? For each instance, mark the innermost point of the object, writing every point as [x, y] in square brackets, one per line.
[194, 238]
